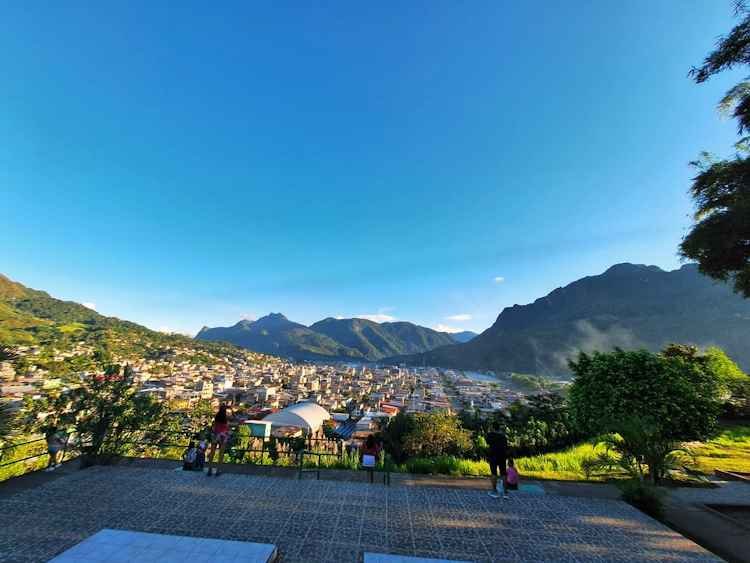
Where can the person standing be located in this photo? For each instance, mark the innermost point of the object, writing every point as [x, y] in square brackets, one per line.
[497, 455]
[55, 447]
[219, 438]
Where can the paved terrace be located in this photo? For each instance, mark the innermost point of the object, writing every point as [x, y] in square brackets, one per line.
[337, 521]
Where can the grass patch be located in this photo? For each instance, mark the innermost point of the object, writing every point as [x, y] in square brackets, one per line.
[565, 465]
[71, 328]
[729, 451]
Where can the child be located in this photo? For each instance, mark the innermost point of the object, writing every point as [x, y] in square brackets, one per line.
[188, 458]
[510, 483]
[200, 458]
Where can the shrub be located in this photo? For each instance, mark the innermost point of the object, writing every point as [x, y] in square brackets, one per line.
[643, 496]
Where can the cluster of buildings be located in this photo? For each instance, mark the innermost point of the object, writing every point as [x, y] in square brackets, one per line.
[293, 397]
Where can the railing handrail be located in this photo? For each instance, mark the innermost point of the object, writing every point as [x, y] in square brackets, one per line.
[11, 446]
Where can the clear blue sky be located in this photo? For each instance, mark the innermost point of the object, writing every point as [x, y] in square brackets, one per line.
[181, 164]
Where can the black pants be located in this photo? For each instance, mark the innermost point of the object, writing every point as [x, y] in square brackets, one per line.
[497, 464]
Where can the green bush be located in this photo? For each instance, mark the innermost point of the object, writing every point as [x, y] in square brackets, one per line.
[643, 496]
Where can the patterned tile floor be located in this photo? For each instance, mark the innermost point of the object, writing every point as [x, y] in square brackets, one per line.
[331, 521]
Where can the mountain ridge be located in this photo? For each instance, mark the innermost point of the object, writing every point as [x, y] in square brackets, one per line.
[330, 338]
[627, 306]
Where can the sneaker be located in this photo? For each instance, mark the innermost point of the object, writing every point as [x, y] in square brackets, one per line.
[208, 473]
[506, 497]
[217, 473]
[493, 494]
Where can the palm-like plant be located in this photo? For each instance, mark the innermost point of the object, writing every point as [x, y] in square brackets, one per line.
[641, 450]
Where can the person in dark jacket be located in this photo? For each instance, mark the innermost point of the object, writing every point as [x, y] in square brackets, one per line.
[497, 455]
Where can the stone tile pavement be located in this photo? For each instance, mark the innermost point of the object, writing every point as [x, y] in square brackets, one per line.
[315, 521]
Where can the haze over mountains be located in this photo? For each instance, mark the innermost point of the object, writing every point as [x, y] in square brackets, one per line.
[354, 339]
[628, 306]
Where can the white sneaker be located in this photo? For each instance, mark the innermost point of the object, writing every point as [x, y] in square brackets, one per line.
[493, 494]
[50, 468]
[506, 497]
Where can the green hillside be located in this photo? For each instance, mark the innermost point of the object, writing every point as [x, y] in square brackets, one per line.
[33, 318]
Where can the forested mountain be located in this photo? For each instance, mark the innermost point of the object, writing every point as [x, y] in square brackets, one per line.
[379, 340]
[628, 306]
[33, 318]
[355, 339]
[463, 336]
[275, 334]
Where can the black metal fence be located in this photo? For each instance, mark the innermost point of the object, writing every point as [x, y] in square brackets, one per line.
[308, 455]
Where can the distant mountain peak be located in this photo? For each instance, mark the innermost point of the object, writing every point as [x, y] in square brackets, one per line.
[275, 316]
[628, 268]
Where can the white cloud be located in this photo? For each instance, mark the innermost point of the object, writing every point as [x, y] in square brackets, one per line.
[499, 279]
[460, 317]
[89, 305]
[446, 328]
[247, 317]
[168, 330]
[377, 317]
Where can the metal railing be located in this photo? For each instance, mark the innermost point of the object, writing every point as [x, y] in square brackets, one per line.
[236, 454]
[68, 451]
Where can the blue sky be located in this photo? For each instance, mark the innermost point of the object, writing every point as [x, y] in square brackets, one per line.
[183, 165]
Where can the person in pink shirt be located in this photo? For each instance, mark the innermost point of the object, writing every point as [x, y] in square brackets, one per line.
[219, 438]
[510, 482]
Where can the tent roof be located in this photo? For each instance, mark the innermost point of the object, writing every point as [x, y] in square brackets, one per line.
[306, 415]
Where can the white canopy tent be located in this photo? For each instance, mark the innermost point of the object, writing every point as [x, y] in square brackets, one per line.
[307, 415]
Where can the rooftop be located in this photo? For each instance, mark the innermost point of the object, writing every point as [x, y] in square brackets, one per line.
[313, 521]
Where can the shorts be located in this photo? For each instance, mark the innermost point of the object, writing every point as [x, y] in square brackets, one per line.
[496, 463]
[54, 449]
[220, 438]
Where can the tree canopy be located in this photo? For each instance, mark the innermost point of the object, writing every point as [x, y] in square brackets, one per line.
[676, 393]
[720, 239]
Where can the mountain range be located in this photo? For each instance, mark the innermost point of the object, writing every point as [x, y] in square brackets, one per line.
[628, 306]
[352, 339]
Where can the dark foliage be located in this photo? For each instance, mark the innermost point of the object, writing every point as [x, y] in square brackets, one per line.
[720, 240]
[678, 392]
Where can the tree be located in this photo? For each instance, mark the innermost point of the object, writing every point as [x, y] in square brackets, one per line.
[434, 434]
[721, 190]
[107, 414]
[734, 383]
[395, 434]
[611, 388]
[200, 416]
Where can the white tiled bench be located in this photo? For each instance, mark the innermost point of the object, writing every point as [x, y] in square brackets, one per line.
[387, 558]
[122, 546]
